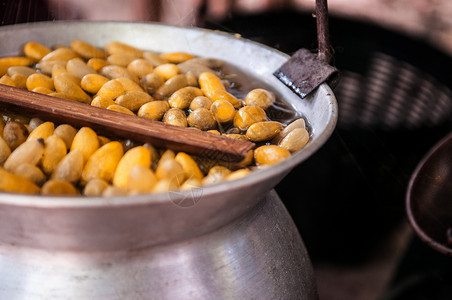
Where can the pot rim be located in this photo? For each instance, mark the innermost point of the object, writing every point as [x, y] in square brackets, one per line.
[423, 235]
[249, 180]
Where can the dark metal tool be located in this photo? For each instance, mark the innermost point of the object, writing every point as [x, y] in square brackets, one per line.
[306, 70]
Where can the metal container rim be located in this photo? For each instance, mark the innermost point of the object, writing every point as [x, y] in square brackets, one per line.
[249, 180]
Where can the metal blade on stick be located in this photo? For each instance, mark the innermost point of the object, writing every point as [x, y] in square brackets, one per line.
[306, 70]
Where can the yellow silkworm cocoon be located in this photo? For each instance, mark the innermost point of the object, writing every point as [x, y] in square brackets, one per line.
[36, 51]
[103, 140]
[170, 169]
[170, 86]
[153, 110]
[103, 162]
[216, 174]
[119, 47]
[167, 154]
[102, 101]
[64, 84]
[166, 71]
[192, 80]
[121, 109]
[31, 172]
[39, 80]
[34, 123]
[54, 151]
[224, 95]
[141, 179]
[165, 185]
[58, 187]
[200, 102]
[270, 154]
[29, 152]
[66, 132]
[11, 61]
[43, 131]
[93, 82]
[5, 151]
[210, 83]
[23, 70]
[247, 116]
[263, 131]
[176, 57]
[111, 89]
[155, 155]
[299, 123]
[129, 85]
[189, 165]
[140, 67]
[43, 90]
[238, 174]
[260, 97]
[79, 68]
[133, 100]
[6, 80]
[62, 96]
[68, 75]
[183, 97]
[114, 71]
[214, 131]
[112, 191]
[247, 161]
[137, 156]
[295, 140]
[58, 69]
[12, 183]
[202, 119]
[121, 59]
[70, 167]
[14, 134]
[86, 141]
[154, 58]
[86, 50]
[95, 187]
[20, 80]
[60, 54]
[97, 63]
[176, 117]
[46, 67]
[191, 183]
[237, 136]
[223, 111]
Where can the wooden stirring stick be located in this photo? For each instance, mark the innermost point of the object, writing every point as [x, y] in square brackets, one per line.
[122, 125]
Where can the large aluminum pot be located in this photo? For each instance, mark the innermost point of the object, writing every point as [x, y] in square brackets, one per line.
[55, 229]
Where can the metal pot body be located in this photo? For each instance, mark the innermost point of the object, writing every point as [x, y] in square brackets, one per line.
[258, 256]
[112, 234]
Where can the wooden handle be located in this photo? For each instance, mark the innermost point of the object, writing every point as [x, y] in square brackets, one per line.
[323, 33]
[120, 125]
